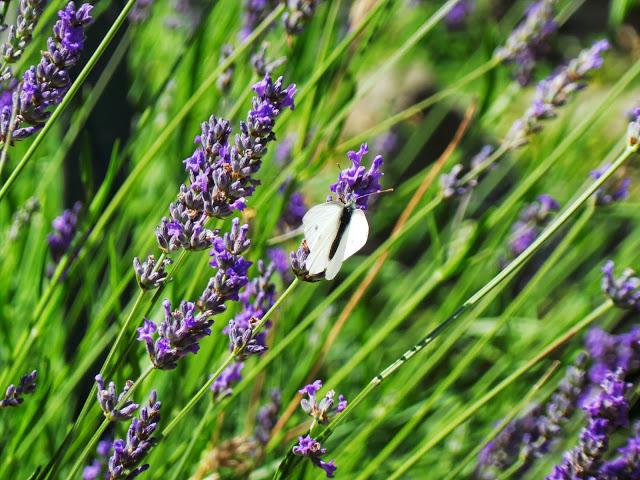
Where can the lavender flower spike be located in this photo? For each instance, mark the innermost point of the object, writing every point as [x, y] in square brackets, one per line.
[221, 172]
[221, 386]
[178, 334]
[298, 14]
[554, 92]
[606, 412]
[308, 447]
[356, 183]
[627, 465]
[323, 409]
[64, 229]
[14, 395]
[612, 352]
[94, 471]
[530, 223]
[623, 290]
[127, 455]
[457, 16]
[149, 274]
[46, 85]
[20, 35]
[108, 399]
[267, 417]
[523, 45]
[613, 190]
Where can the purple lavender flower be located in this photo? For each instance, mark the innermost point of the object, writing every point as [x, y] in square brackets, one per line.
[457, 16]
[292, 216]
[528, 39]
[232, 268]
[267, 418]
[221, 174]
[45, 86]
[613, 352]
[530, 223]
[64, 229]
[606, 412]
[149, 274]
[554, 92]
[127, 455]
[323, 409]
[532, 435]
[177, 336]
[627, 465]
[221, 386]
[298, 14]
[261, 65]
[280, 260]
[356, 183]
[14, 396]
[114, 406]
[141, 11]
[308, 447]
[20, 35]
[623, 290]
[255, 11]
[94, 471]
[612, 191]
[299, 264]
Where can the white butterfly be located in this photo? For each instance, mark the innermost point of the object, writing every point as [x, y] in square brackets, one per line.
[334, 231]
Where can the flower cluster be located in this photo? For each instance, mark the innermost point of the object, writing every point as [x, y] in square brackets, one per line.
[140, 11]
[554, 92]
[232, 267]
[456, 183]
[612, 191]
[528, 39]
[356, 183]
[298, 14]
[607, 411]
[149, 274]
[128, 454]
[20, 35]
[627, 464]
[267, 417]
[261, 65]
[255, 11]
[611, 353]
[530, 223]
[14, 395]
[456, 18]
[115, 407]
[528, 437]
[221, 386]
[64, 229]
[623, 290]
[321, 410]
[310, 448]
[177, 335]
[95, 470]
[221, 173]
[46, 85]
[299, 264]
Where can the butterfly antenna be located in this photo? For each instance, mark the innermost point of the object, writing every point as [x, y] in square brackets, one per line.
[387, 190]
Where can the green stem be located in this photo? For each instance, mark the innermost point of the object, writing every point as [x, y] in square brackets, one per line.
[75, 87]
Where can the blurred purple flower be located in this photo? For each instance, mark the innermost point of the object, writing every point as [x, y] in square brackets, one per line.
[613, 190]
[298, 14]
[64, 229]
[127, 455]
[47, 84]
[530, 223]
[554, 92]
[14, 396]
[457, 16]
[221, 386]
[267, 418]
[528, 39]
[613, 352]
[623, 290]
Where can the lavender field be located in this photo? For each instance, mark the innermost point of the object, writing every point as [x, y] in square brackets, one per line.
[306, 239]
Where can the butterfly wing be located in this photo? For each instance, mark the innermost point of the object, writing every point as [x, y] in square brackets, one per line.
[356, 234]
[353, 239]
[320, 225]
